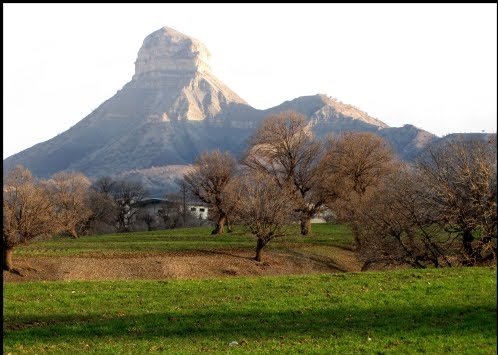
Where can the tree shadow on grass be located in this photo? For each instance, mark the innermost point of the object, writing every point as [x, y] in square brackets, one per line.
[261, 323]
[329, 263]
[318, 259]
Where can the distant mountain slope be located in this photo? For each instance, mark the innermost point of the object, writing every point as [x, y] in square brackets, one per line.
[174, 108]
[157, 180]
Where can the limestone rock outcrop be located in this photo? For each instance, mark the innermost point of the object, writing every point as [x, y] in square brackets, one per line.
[170, 52]
[176, 66]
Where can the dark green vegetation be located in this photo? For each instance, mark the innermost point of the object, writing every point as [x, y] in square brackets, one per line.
[449, 310]
[183, 239]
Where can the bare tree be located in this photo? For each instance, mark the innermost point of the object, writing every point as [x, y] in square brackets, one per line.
[395, 226]
[183, 193]
[103, 209]
[262, 207]
[354, 163]
[125, 194]
[441, 213]
[460, 184]
[173, 213]
[148, 218]
[207, 180]
[28, 212]
[104, 185]
[283, 148]
[178, 213]
[69, 191]
[171, 216]
[360, 159]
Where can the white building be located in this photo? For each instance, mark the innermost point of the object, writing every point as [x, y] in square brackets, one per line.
[154, 206]
[199, 210]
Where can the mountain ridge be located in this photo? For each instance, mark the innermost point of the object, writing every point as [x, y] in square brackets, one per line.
[174, 107]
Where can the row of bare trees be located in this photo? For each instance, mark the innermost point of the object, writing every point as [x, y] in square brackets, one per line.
[67, 203]
[300, 174]
[33, 208]
[439, 211]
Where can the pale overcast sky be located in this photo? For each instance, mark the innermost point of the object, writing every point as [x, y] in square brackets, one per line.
[433, 66]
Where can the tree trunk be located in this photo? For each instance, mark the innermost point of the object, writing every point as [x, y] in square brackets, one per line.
[73, 232]
[7, 259]
[356, 234]
[468, 238]
[220, 226]
[259, 247]
[229, 225]
[184, 210]
[305, 224]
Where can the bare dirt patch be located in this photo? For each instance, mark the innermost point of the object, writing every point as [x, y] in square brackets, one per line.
[198, 264]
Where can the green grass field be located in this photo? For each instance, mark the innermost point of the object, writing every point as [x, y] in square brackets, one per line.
[183, 239]
[407, 311]
[431, 311]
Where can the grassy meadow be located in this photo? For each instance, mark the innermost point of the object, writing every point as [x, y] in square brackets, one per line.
[184, 239]
[406, 311]
[432, 311]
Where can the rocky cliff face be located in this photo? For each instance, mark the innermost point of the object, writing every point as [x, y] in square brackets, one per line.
[170, 52]
[174, 108]
[176, 68]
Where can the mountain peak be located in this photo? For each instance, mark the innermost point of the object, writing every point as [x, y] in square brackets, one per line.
[174, 108]
[171, 52]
